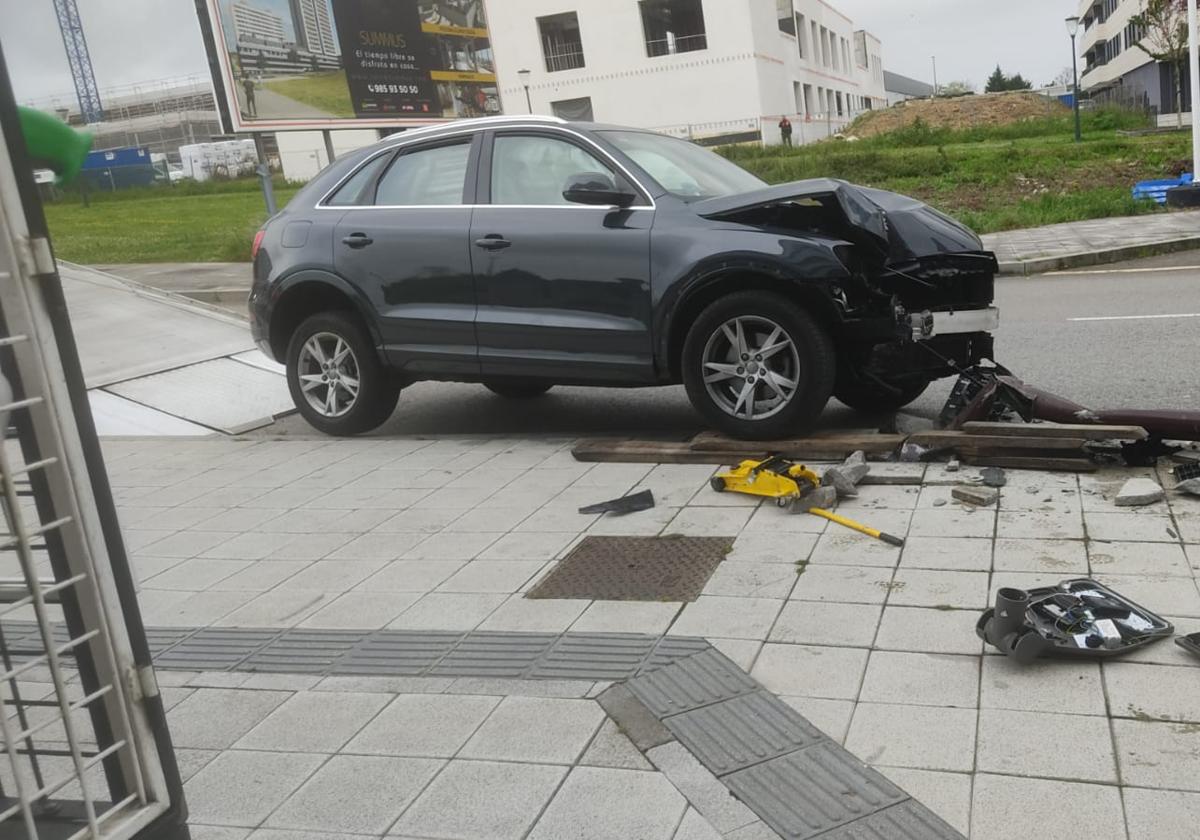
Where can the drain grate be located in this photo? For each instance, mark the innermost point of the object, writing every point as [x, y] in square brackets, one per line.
[635, 569]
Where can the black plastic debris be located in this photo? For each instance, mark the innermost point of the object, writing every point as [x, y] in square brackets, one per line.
[1190, 643]
[623, 505]
[1076, 618]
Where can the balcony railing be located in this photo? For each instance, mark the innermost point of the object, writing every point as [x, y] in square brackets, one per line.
[565, 58]
[679, 44]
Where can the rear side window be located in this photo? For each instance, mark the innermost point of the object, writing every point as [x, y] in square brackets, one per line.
[351, 192]
[426, 176]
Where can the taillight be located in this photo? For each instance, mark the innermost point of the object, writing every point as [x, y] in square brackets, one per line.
[258, 238]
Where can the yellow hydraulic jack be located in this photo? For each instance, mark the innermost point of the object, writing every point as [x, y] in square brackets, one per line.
[787, 483]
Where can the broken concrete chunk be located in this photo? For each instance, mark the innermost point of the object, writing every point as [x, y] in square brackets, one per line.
[822, 497]
[978, 496]
[856, 459]
[1138, 492]
[1191, 487]
[836, 478]
[954, 465]
[993, 476]
[939, 502]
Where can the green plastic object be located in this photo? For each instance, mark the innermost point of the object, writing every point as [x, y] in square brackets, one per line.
[54, 144]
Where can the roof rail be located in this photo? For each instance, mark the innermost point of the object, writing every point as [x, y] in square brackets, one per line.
[474, 121]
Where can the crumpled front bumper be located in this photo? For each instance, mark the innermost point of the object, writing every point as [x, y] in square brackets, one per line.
[927, 324]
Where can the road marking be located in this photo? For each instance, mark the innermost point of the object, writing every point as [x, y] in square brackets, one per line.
[1137, 317]
[1127, 270]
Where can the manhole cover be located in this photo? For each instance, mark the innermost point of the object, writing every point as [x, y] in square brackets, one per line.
[635, 569]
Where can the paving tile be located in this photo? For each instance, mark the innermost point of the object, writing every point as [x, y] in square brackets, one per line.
[1042, 686]
[1158, 755]
[761, 546]
[186, 543]
[1161, 814]
[820, 623]
[964, 554]
[832, 717]
[710, 521]
[536, 729]
[1129, 527]
[1189, 527]
[480, 800]
[947, 522]
[741, 652]
[1162, 595]
[1138, 558]
[923, 737]
[333, 575]
[241, 788]
[627, 617]
[448, 611]
[1173, 697]
[1071, 747]
[196, 574]
[769, 519]
[490, 519]
[214, 718]
[249, 545]
[411, 575]
[693, 826]
[612, 748]
[1004, 806]
[752, 580]
[380, 789]
[376, 546]
[1065, 557]
[418, 521]
[1039, 525]
[946, 794]
[874, 496]
[289, 834]
[922, 679]
[320, 521]
[559, 520]
[525, 615]
[840, 547]
[362, 610]
[700, 787]
[422, 725]
[939, 589]
[181, 608]
[650, 809]
[729, 618]
[928, 630]
[259, 577]
[216, 832]
[492, 576]
[526, 546]
[843, 584]
[448, 546]
[646, 523]
[316, 722]
[276, 608]
[311, 546]
[811, 671]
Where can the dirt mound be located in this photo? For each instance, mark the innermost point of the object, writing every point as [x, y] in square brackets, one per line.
[959, 113]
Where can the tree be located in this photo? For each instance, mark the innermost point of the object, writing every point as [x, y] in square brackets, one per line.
[1065, 78]
[1018, 83]
[996, 82]
[956, 88]
[1165, 39]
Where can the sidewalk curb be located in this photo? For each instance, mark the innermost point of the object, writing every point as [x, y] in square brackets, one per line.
[1083, 259]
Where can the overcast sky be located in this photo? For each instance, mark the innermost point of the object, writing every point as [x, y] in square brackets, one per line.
[136, 41]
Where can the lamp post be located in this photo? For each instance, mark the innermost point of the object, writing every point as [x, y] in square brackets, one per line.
[933, 58]
[1194, 50]
[524, 75]
[1073, 30]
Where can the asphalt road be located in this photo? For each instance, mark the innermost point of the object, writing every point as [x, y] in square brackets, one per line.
[1130, 357]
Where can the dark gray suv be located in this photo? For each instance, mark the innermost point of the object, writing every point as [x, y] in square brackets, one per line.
[528, 252]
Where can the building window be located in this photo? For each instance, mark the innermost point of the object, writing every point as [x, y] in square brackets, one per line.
[673, 26]
[787, 21]
[801, 36]
[561, 43]
[574, 110]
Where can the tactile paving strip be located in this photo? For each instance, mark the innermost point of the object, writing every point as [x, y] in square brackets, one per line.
[635, 569]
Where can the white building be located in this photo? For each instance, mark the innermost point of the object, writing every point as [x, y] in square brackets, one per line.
[699, 68]
[314, 29]
[253, 25]
[1112, 64]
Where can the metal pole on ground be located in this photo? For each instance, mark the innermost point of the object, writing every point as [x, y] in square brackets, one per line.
[264, 173]
[1194, 49]
[328, 135]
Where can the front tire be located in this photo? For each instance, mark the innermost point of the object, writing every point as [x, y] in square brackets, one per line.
[517, 390]
[757, 366]
[336, 378]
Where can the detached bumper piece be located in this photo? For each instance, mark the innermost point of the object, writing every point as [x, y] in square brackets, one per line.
[1077, 619]
[925, 325]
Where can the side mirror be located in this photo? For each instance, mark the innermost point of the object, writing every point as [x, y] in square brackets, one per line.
[596, 188]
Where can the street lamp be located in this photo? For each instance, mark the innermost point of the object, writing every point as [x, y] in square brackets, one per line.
[525, 74]
[1073, 30]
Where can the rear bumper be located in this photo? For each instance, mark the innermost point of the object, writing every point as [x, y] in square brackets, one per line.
[926, 325]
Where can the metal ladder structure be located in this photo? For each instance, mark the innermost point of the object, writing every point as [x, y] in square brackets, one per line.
[86, 751]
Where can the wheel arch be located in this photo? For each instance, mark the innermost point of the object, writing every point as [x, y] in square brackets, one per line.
[310, 293]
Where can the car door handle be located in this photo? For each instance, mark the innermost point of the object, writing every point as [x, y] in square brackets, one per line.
[357, 240]
[494, 242]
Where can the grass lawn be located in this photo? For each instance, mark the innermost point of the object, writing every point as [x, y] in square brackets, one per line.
[324, 91]
[161, 225]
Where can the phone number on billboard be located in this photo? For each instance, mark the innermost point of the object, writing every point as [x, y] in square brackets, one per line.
[413, 89]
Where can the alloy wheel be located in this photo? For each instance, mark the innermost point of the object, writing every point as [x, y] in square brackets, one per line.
[751, 367]
[329, 374]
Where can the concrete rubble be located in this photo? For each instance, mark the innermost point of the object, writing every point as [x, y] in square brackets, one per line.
[977, 496]
[1137, 492]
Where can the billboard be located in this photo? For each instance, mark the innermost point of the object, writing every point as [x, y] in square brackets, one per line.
[320, 64]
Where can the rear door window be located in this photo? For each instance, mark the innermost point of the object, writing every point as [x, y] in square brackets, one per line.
[430, 176]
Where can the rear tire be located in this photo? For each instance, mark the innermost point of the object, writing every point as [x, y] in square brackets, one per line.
[779, 386]
[517, 390]
[871, 398]
[332, 352]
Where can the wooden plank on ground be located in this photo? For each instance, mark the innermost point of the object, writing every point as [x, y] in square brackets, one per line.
[823, 445]
[962, 442]
[655, 452]
[1031, 463]
[1065, 430]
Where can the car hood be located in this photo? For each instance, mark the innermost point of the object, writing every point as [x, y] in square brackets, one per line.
[902, 228]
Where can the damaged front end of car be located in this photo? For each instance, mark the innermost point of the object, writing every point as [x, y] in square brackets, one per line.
[916, 302]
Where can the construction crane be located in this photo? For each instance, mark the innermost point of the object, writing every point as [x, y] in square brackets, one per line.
[80, 61]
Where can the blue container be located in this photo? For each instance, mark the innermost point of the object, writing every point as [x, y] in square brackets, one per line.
[109, 158]
[1156, 191]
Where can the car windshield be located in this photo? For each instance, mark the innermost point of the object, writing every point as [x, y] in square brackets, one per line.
[682, 168]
